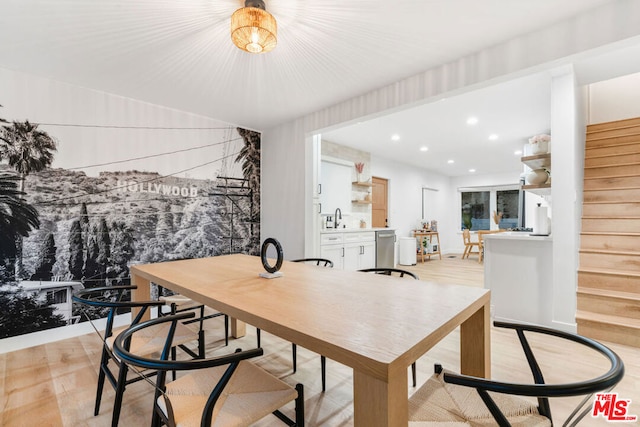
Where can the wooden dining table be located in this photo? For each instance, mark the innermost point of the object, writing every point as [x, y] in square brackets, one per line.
[375, 324]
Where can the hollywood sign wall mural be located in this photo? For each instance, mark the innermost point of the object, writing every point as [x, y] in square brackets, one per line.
[64, 228]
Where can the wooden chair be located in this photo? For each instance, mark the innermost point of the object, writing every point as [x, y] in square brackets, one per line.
[453, 399]
[225, 390]
[401, 273]
[113, 299]
[468, 244]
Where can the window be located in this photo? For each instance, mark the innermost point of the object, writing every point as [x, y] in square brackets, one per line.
[58, 296]
[507, 203]
[475, 210]
[479, 205]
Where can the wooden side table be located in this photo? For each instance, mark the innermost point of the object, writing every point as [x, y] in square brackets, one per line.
[418, 234]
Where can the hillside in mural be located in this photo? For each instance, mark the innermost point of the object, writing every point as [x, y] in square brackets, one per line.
[140, 216]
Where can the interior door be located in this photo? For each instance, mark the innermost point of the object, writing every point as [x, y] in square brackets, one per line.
[379, 197]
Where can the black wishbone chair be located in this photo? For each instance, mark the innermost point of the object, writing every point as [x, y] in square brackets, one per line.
[448, 397]
[226, 390]
[390, 272]
[321, 262]
[178, 303]
[400, 273]
[112, 299]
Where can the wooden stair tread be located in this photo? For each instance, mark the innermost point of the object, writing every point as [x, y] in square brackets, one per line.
[607, 202]
[609, 252]
[602, 156]
[610, 233]
[590, 316]
[608, 272]
[609, 293]
[608, 165]
[614, 188]
[614, 124]
[607, 217]
[613, 144]
[629, 175]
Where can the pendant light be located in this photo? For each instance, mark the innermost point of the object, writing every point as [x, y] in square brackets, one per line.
[253, 29]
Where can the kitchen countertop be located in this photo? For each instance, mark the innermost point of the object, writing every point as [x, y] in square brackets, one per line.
[516, 235]
[352, 230]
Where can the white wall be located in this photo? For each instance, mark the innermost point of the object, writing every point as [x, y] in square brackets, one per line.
[112, 129]
[405, 197]
[614, 99]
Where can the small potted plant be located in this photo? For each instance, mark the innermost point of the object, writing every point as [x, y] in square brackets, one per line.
[359, 168]
[539, 143]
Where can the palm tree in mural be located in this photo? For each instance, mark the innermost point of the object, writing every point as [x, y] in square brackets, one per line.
[17, 217]
[27, 149]
[1, 119]
[250, 157]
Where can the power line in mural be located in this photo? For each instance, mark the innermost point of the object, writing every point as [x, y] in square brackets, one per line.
[132, 159]
[129, 127]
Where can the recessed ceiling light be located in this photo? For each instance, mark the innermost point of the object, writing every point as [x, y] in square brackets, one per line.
[472, 170]
[450, 161]
[493, 137]
[517, 152]
[472, 121]
[424, 148]
[395, 137]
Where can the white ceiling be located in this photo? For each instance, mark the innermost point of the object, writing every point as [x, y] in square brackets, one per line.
[178, 53]
[513, 111]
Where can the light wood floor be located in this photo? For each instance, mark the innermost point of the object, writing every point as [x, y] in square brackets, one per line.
[54, 384]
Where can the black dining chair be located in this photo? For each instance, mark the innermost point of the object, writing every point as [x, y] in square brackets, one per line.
[226, 390]
[114, 300]
[177, 303]
[448, 397]
[321, 262]
[390, 272]
[399, 273]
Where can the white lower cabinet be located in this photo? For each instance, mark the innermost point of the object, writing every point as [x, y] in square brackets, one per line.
[350, 250]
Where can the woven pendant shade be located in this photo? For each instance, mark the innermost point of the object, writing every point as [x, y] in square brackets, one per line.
[253, 30]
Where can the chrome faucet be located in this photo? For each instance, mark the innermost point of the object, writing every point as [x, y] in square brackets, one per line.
[336, 217]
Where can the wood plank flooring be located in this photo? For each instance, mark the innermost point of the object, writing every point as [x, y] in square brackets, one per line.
[54, 384]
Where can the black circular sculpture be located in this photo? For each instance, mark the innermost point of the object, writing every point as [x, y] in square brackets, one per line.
[263, 255]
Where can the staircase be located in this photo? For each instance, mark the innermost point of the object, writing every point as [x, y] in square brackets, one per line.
[609, 272]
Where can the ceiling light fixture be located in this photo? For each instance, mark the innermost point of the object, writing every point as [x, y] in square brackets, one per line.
[472, 121]
[493, 137]
[395, 137]
[450, 162]
[253, 29]
[472, 170]
[517, 152]
[424, 148]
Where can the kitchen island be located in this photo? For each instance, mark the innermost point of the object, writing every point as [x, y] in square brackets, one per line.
[518, 269]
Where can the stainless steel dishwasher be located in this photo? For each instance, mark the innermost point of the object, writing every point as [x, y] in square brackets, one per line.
[385, 248]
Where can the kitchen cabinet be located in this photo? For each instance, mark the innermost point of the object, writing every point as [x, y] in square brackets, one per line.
[349, 250]
[518, 269]
[332, 248]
